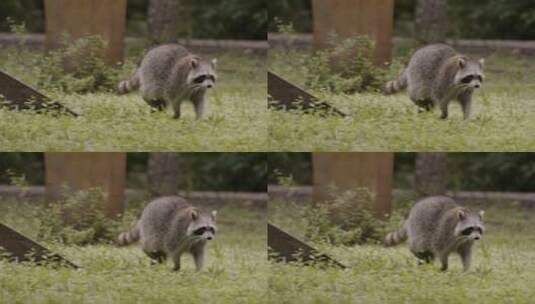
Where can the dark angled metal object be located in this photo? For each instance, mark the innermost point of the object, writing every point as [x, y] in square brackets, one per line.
[20, 248]
[286, 96]
[286, 248]
[17, 95]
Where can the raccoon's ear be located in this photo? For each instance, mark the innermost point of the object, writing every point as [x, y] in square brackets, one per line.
[214, 62]
[462, 62]
[194, 63]
[194, 215]
[481, 214]
[461, 214]
[214, 214]
[482, 62]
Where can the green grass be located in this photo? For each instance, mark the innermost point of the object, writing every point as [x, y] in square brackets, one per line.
[235, 120]
[503, 268]
[235, 271]
[503, 116]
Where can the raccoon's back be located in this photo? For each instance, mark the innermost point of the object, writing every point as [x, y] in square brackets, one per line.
[426, 64]
[156, 219]
[424, 217]
[157, 65]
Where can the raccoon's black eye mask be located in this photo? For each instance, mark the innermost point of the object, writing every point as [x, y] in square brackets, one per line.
[469, 78]
[202, 230]
[469, 230]
[202, 78]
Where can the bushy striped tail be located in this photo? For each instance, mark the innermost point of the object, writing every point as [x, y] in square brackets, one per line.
[396, 237]
[397, 85]
[128, 237]
[129, 85]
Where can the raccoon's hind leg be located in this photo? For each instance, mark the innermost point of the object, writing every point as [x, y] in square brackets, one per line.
[424, 256]
[198, 255]
[157, 257]
[156, 104]
[424, 105]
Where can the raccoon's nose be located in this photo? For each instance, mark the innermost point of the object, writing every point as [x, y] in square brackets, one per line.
[209, 238]
[476, 238]
[209, 86]
[477, 86]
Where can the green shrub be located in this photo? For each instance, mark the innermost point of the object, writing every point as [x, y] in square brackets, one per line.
[80, 219]
[347, 219]
[77, 67]
[345, 67]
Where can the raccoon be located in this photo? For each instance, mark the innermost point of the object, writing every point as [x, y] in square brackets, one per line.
[436, 227]
[170, 226]
[437, 74]
[170, 74]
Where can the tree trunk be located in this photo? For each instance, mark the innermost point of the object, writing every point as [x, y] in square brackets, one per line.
[162, 174]
[431, 21]
[431, 172]
[163, 16]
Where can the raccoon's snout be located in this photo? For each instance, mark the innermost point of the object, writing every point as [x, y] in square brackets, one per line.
[477, 237]
[209, 238]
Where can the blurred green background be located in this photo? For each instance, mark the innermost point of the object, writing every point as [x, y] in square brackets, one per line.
[197, 171]
[216, 19]
[466, 171]
[484, 19]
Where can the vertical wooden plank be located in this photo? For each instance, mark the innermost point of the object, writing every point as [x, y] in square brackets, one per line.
[349, 18]
[348, 171]
[82, 18]
[87, 170]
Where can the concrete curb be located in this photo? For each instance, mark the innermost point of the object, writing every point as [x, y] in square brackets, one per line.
[36, 41]
[252, 199]
[304, 193]
[305, 41]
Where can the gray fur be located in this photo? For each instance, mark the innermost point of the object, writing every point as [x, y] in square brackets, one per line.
[129, 236]
[435, 228]
[168, 75]
[434, 77]
[169, 227]
[396, 237]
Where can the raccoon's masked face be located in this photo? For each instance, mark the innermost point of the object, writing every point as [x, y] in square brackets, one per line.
[470, 74]
[202, 227]
[202, 75]
[470, 226]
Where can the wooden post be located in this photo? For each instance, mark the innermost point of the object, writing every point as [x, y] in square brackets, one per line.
[349, 18]
[87, 170]
[348, 171]
[80, 18]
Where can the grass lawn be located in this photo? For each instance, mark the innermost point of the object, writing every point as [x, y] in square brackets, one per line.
[503, 116]
[503, 268]
[235, 119]
[235, 272]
